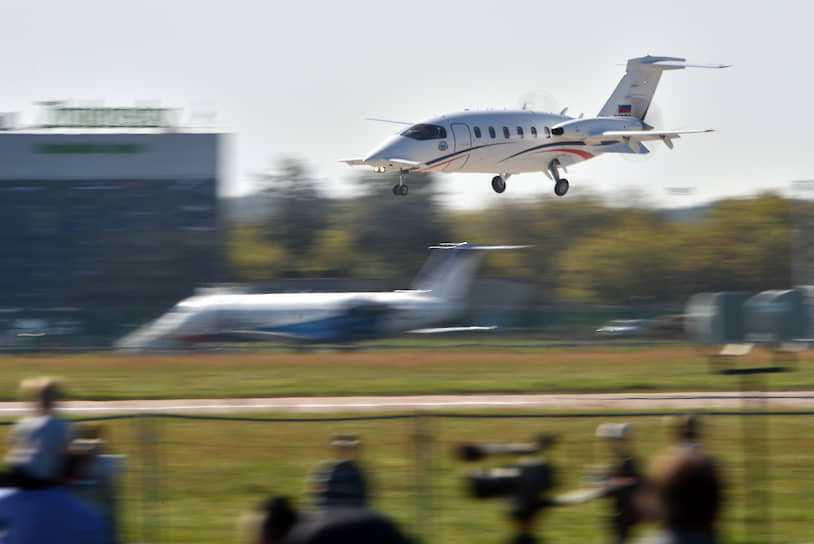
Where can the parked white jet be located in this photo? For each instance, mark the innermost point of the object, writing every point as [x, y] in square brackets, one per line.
[513, 142]
[437, 295]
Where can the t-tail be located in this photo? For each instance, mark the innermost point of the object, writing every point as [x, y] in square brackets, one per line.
[634, 93]
[449, 273]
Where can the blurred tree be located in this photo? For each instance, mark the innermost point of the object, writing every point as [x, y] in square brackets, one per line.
[299, 211]
[392, 233]
[251, 256]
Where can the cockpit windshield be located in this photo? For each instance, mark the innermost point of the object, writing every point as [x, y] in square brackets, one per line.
[425, 132]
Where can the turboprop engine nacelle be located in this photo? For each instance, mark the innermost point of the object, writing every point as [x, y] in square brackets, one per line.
[579, 129]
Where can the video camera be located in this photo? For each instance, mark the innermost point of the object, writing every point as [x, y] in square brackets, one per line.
[525, 483]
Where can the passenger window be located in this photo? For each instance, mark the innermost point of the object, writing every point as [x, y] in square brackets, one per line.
[477, 132]
[547, 132]
[506, 132]
[520, 131]
[491, 132]
[534, 132]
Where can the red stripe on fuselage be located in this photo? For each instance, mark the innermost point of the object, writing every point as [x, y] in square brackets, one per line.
[443, 163]
[583, 154]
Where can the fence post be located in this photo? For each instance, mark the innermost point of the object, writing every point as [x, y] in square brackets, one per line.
[422, 445]
[150, 479]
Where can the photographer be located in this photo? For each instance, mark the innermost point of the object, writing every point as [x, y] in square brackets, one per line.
[623, 479]
[340, 481]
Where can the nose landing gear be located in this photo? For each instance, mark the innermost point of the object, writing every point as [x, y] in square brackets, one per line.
[400, 189]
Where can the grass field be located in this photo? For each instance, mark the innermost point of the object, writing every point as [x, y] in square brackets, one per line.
[102, 376]
[190, 480]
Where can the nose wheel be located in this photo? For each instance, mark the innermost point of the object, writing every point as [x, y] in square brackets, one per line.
[400, 189]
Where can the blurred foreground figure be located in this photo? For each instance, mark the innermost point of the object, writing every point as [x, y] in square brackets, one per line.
[623, 479]
[687, 431]
[279, 523]
[685, 493]
[35, 502]
[96, 472]
[340, 481]
[39, 441]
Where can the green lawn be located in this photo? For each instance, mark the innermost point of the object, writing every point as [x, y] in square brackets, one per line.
[197, 477]
[389, 372]
[189, 480]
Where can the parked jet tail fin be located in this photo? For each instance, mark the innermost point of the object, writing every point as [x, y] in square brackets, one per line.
[449, 273]
[635, 90]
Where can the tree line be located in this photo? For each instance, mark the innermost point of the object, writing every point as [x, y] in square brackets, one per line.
[582, 248]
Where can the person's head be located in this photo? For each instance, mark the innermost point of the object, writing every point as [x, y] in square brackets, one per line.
[616, 435]
[687, 428]
[277, 517]
[687, 487]
[345, 446]
[43, 392]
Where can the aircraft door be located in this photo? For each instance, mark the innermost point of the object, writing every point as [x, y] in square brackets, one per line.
[463, 141]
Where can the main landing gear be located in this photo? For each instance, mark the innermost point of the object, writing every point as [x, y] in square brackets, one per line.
[560, 184]
[499, 183]
[400, 189]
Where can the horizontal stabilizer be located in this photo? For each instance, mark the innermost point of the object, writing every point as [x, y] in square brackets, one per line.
[634, 92]
[442, 330]
[681, 64]
[472, 247]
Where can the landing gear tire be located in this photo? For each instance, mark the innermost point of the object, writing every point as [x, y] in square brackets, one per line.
[396, 189]
[498, 184]
[400, 190]
[561, 187]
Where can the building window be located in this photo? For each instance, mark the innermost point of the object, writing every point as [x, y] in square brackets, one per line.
[534, 131]
[506, 132]
[491, 132]
[477, 132]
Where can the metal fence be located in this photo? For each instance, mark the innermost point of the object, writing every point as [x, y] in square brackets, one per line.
[191, 478]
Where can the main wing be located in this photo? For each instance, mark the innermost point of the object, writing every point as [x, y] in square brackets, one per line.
[633, 136]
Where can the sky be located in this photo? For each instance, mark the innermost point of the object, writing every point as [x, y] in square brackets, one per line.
[297, 79]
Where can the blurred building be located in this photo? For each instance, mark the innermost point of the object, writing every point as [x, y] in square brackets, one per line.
[107, 215]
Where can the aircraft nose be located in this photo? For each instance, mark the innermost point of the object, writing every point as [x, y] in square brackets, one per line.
[384, 152]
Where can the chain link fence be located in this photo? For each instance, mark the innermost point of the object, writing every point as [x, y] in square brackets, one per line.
[190, 479]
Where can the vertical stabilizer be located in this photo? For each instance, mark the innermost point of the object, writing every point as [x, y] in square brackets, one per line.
[449, 273]
[634, 93]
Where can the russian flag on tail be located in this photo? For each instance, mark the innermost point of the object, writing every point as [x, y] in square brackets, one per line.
[624, 108]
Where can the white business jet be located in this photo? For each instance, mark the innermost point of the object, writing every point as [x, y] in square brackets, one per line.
[513, 142]
[438, 294]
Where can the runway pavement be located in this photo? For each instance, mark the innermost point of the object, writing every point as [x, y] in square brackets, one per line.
[795, 400]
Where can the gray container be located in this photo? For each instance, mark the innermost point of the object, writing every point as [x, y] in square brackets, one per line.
[716, 318]
[776, 316]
